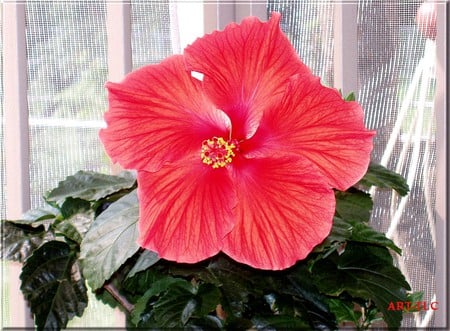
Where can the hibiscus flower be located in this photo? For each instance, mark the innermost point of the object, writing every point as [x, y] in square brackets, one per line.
[237, 147]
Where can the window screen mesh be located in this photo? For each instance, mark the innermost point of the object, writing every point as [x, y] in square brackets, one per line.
[66, 45]
[66, 51]
[151, 32]
[310, 29]
[2, 149]
[395, 66]
[397, 82]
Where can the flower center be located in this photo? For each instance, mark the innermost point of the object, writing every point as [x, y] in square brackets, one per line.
[217, 152]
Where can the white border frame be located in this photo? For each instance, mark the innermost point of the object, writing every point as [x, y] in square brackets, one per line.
[216, 14]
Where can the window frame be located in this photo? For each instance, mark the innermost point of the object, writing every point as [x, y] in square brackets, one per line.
[16, 138]
[442, 157]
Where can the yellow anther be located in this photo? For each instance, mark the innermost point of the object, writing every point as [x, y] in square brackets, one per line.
[217, 152]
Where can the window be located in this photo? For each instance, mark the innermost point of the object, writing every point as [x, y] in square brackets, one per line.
[394, 70]
[57, 56]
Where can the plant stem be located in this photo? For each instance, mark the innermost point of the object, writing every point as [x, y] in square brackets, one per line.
[119, 297]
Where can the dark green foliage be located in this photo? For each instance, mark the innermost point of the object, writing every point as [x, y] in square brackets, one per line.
[365, 272]
[379, 176]
[353, 205]
[53, 285]
[90, 186]
[91, 220]
[47, 240]
[20, 240]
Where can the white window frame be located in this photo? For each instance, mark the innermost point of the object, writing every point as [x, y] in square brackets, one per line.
[16, 138]
[216, 14]
[442, 98]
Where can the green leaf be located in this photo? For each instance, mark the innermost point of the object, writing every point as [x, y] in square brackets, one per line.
[299, 283]
[156, 288]
[37, 216]
[344, 310]
[344, 230]
[172, 302]
[363, 233]
[209, 297]
[145, 260]
[18, 241]
[353, 205]
[176, 305]
[309, 302]
[366, 272]
[142, 281]
[163, 284]
[73, 206]
[75, 226]
[350, 97]
[184, 300]
[413, 298]
[68, 230]
[82, 221]
[381, 177]
[341, 231]
[110, 241]
[53, 285]
[90, 186]
[236, 280]
[40, 216]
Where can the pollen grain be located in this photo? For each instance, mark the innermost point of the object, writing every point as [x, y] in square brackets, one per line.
[217, 152]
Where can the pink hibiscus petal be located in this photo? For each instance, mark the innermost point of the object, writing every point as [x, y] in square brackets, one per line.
[245, 69]
[315, 122]
[284, 211]
[157, 114]
[185, 210]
